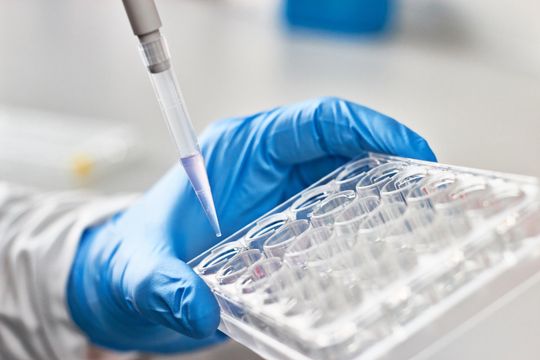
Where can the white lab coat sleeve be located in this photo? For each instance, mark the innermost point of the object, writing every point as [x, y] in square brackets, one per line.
[39, 234]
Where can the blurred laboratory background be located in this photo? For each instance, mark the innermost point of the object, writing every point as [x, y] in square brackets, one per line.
[77, 109]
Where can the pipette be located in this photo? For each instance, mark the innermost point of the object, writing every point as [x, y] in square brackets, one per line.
[145, 22]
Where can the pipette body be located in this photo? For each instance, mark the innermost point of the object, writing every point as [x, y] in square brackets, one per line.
[145, 22]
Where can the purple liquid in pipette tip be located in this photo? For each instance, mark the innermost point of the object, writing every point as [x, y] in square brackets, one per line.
[196, 172]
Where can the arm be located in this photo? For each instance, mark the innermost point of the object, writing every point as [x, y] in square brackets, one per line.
[39, 235]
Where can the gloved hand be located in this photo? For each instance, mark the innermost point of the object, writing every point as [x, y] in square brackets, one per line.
[129, 286]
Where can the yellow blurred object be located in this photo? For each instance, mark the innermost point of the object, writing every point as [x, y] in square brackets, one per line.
[70, 151]
[82, 165]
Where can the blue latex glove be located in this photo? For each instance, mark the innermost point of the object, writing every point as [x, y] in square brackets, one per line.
[130, 288]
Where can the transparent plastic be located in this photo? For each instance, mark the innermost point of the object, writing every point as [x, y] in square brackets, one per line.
[175, 112]
[156, 54]
[383, 266]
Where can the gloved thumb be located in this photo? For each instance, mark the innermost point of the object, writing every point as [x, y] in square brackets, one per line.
[168, 292]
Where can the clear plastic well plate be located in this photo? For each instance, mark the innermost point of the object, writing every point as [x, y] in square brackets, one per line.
[379, 259]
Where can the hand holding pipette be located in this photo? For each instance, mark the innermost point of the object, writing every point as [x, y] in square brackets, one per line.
[130, 285]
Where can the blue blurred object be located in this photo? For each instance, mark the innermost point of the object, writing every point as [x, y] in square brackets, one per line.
[347, 16]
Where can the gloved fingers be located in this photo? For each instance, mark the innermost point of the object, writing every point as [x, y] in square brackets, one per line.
[154, 338]
[171, 294]
[311, 171]
[184, 343]
[168, 341]
[305, 174]
[335, 127]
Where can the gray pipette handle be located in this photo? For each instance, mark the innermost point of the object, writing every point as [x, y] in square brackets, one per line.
[143, 16]
[145, 22]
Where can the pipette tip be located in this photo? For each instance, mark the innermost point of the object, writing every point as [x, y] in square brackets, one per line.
[217, 230]
[211, 214]
[196, 172]
[213, 219]
[209, 209]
